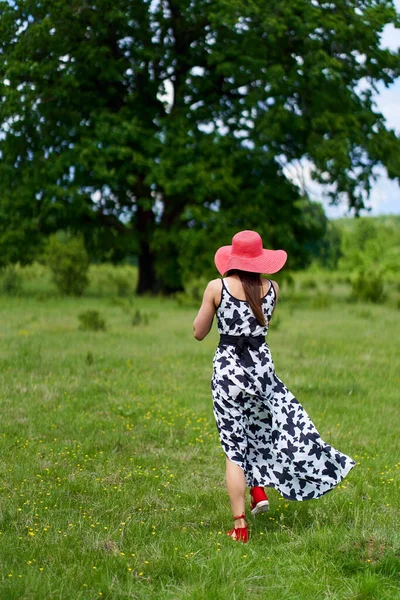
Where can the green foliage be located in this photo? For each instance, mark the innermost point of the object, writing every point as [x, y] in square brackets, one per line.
[193, 292]
[105, 279]
[328, 249]
[371, 243]
[11, 280]
[309, 284]
[123, 284]
[368, 286]
[69, 263]
[90, 320]
[140, 318]
[34, 271]
[89, 143]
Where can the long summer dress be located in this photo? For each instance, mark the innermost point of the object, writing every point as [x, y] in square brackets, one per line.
[262, 427]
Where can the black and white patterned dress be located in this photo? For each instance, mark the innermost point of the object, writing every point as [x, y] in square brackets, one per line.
[262, 427]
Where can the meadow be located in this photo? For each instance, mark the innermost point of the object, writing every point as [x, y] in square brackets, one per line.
[111, 472]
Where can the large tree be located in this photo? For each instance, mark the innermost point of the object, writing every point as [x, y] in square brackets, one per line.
[150, 124]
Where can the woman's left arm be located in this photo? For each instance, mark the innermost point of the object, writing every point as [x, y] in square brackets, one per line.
[203, 322]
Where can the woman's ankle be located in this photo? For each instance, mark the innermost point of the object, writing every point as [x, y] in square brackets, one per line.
[239, 523]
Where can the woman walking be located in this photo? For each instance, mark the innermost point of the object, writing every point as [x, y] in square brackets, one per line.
[268, 438]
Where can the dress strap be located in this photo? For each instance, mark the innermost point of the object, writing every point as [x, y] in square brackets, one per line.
[225, 285]
[272, 287]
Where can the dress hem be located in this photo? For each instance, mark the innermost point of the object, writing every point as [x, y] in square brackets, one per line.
[269, 484]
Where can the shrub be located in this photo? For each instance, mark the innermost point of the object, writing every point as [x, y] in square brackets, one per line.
[193, 292]
[91, 321]
[140, 318]
[123, 282]
[286, 279]
[108, 279]
[368, 286]
[11, 281]
[123, 303]
[69, 263]
[34, 272]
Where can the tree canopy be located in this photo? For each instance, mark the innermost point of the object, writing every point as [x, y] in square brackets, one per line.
[158, 128]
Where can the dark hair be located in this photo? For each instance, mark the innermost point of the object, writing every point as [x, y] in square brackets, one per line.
[252, 286]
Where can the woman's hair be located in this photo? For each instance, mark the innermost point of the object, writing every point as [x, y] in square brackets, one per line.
[252, 286]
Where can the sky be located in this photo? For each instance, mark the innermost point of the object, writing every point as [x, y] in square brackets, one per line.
[385, 195]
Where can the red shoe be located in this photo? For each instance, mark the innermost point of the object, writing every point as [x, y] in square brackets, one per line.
[239, 534]
[259, 501]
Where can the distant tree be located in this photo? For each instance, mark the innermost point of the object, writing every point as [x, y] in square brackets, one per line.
[327, 250]
[90, 142]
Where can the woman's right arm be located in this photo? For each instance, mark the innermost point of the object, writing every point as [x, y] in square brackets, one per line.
[203, 322]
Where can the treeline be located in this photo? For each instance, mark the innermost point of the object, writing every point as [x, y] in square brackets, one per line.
[363, 253]
[160, 129]
[365, 244]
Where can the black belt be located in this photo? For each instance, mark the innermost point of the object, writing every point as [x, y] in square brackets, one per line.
[243, 343]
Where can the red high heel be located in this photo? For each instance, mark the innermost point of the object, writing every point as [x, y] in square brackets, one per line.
[239, 534]
[259, 501]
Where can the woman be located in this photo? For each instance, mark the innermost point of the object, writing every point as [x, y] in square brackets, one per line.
[268, 437]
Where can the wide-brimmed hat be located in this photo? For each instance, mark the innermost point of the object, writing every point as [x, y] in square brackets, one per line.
[247, 254]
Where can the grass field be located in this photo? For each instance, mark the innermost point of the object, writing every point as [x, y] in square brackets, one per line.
[112, 476]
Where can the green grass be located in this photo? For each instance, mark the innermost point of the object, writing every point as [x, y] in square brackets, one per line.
[112, 476]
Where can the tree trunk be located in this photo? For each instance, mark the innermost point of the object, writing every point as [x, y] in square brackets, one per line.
[147, 283]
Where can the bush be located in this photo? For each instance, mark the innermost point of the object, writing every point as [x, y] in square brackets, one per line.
[123, 303]
[91, 321]
[123, 282]
[140, 318]
[193, 292]
[107, 279]
[368, 286]
[11, 281]
[34, 272]
[69, 263]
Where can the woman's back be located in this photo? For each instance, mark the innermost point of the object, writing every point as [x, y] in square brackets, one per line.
[234, 314]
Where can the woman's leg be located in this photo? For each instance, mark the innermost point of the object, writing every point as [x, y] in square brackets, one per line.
[236, 484]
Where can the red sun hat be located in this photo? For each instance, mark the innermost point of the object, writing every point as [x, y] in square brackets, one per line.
[247, 254]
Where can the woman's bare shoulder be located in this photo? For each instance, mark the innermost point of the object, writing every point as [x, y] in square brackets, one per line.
[214, 285]
[214, 288]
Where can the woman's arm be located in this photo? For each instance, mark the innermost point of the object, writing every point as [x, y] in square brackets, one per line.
[203, 322]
